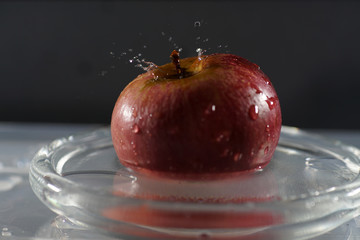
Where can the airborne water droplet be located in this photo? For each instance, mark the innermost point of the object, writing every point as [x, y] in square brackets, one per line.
[254, 112]
[197, 24]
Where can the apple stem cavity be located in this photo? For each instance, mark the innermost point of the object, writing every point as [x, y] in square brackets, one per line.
[175, 57]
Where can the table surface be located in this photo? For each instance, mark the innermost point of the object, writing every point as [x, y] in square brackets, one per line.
[24, 217]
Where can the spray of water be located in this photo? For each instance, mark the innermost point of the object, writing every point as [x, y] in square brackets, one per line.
[202, 47]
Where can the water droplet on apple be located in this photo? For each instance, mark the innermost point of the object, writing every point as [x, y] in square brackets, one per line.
[255, 87]
[267, 128]
[254, 112]
[266, 150]
[237, 157]
[136, 129]
[210, 108]
[271, 102]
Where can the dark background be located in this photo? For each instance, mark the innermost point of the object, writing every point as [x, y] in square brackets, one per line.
[62, 61]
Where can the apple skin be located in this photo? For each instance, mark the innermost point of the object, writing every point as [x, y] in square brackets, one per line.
[221, 118]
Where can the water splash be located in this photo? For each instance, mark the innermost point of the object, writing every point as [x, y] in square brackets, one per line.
[142, 63]
[200, 53]
[136, 59]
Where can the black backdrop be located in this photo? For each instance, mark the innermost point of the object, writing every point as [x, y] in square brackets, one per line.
[63, 61]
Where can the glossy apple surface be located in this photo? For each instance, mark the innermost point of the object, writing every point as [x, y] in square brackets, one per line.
[219, 116]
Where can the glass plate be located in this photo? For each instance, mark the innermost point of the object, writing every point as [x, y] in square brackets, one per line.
[310, 187]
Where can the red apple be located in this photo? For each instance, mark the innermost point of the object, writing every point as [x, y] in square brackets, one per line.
[216, 115]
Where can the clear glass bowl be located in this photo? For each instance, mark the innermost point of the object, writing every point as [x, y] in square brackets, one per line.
[310, 187]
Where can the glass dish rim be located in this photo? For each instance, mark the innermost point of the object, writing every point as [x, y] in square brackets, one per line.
[54, 181]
